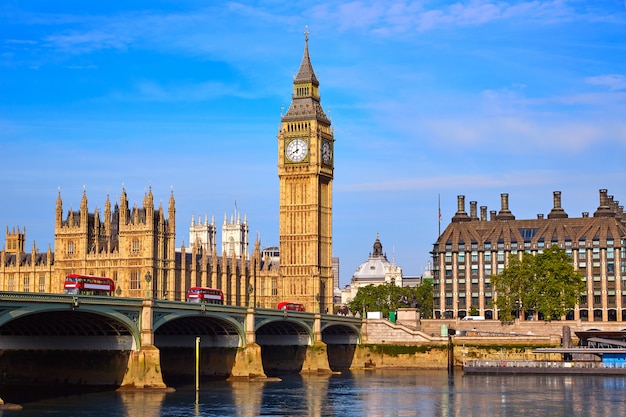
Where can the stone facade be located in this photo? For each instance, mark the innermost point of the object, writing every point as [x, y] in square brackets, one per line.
[136, 245]
[305, 172]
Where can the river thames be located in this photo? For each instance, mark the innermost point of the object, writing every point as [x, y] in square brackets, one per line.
[364, 393]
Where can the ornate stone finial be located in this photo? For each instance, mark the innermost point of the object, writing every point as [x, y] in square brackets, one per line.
[306, 33]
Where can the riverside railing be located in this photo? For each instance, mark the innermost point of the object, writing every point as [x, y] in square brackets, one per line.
[480, 363]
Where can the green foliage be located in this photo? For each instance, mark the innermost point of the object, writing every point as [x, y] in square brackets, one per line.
[473, 311]
[396, 350]
[389, 297]
[545, 283]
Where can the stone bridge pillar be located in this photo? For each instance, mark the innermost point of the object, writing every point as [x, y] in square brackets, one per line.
[248, 361]
[144, 365]
[316, 358]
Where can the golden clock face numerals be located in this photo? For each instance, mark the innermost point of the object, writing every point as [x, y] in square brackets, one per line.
[327, 153]
[297, 150]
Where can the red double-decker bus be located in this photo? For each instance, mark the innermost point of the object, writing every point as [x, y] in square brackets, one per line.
[287, 305]
[205, 295]
[77, 284]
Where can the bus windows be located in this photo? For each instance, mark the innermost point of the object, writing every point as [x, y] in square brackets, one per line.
[205, 295]
[76, 284]
[289, 306]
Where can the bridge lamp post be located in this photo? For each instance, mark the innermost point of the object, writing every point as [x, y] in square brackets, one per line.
[148, 280]
[250, 298]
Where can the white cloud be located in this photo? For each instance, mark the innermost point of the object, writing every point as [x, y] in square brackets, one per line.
[612, 81]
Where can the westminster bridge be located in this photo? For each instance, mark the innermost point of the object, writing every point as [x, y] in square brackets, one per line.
[53, 339]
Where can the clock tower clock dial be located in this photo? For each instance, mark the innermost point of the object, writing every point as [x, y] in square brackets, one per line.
[327, 153]
[297, 150]
[305, 172]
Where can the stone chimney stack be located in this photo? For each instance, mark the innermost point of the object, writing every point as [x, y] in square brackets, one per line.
[604, 210]
[483, 213]
[461, 215]
[473, 212]
[557, 211]
[505, 213]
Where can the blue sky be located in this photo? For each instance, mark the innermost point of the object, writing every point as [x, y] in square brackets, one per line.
[429, 99]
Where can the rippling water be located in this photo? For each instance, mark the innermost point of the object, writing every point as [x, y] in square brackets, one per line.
[368, 393]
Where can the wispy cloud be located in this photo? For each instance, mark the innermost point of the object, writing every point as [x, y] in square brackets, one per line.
[190, 92]
[612, 81]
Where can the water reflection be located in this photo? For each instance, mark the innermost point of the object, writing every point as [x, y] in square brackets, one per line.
[377, 393]
[247, 397]
[140, 403]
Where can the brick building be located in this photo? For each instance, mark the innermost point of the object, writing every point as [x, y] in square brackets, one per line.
[473, 247]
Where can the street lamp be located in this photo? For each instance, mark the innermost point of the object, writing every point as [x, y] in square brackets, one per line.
[148, 279]
[250, 291]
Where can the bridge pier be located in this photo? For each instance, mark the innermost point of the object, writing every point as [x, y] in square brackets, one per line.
[144, 365]
[316, 357]
[248, 361]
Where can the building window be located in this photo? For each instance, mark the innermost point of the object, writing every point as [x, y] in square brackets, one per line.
[26, 283]
[135, 281]
[500, 256]
[42, 283]
[274, 287]
[527, 234]
[70, 248]
[487, 256]
[582, 254]
[461, 257]
[11, 283]
[610, 253]
[136, 246]
[448, 258]
[610, 268]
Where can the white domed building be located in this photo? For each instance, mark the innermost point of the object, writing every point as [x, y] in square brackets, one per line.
[376, 270]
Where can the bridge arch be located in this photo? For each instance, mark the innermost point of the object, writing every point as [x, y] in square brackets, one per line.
[277, 331]
[214, 329]
[86, 328]
[340, 334]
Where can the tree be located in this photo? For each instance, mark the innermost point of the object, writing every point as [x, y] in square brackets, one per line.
[559, 285]
[389, 297]
[546, 283]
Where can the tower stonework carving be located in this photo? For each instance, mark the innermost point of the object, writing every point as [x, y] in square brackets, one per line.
[305, 172]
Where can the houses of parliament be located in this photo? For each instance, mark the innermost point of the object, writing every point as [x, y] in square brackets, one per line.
[135, 246]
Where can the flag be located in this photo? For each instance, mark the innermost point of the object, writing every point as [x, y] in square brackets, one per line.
[439, 214]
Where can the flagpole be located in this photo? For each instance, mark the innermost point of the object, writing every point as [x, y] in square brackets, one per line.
[439, 214]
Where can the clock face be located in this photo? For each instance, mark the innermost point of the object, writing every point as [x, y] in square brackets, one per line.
[326, 152]
[297, 150]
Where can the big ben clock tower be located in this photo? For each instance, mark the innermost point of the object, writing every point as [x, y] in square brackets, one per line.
[305, 172]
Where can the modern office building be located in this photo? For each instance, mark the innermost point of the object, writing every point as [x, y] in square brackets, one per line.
[474, 247]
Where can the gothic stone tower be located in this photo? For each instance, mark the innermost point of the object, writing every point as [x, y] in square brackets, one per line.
[305, 172]
[134, 246]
